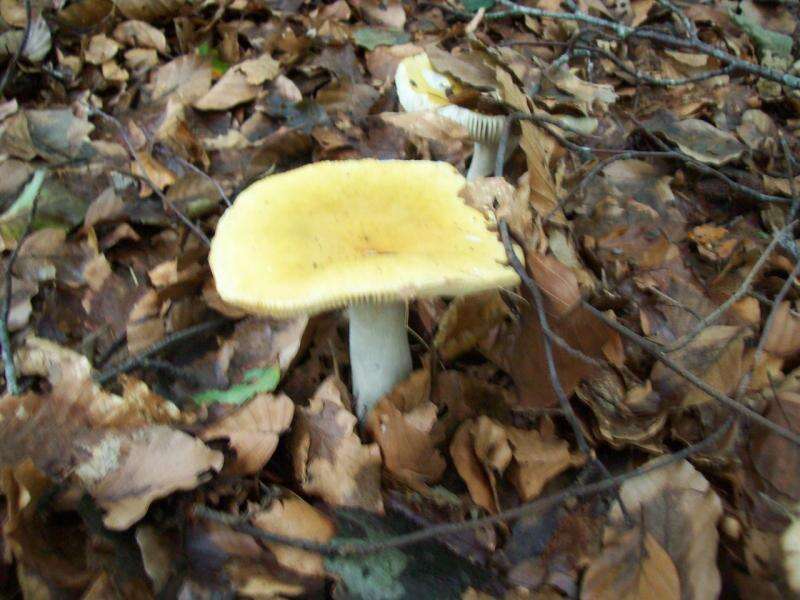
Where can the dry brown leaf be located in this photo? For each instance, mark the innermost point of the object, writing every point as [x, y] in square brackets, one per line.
[240, 83]
[158, 555]
[776, 459]
[538, 457]
[187, 79]
[427, 124]
[783, 338]
[537, 148]
[329, 459]
[677, 507]
[252, 431]
[127, 471]
[466, 321]
[402, 423]
[101, 49]
[149, 10]
[294, 517]
[140, 34]
[633, 566]
[69, 373]
[468, 68]
[699, 139]
[480, 451]
[590, 94]
[715, 356]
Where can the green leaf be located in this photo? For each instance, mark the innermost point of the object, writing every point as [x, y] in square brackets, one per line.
[475, 5]
[255, 382]
[372, 37]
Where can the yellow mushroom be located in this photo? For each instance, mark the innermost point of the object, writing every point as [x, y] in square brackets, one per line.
[366, 234]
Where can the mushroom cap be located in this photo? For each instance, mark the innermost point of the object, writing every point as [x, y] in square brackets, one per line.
[420, 87]
[331, 234]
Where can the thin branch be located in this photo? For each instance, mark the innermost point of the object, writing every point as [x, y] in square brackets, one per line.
[623, 31]
[166, 202]
[656, 352]
[202, 173]
[740, 293]
[26, 34]
[363, 548]
[688, 24]
[141, 358]
[768, 324]
[552, 371]
[29, 195]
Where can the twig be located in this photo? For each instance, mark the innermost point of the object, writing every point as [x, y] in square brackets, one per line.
[740, 293]
[29, 195]
[624, 31]
[26, 34]
[167, 203]
[137, 360]
[362, 548]
[688, 24]
[768, 324]
[552, 371]
[202, 173]
[656, 352]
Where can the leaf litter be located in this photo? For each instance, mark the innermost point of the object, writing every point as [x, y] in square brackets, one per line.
[651, 166]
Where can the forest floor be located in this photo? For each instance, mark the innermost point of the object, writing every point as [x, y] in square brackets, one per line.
[625, 424]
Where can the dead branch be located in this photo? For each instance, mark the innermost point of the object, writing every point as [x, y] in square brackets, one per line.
[141, 358]
[623, 32]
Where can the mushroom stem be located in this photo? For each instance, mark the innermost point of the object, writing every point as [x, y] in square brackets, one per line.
[483, 159]
[379, 353]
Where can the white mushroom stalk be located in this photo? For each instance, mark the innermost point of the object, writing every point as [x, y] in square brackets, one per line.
[380, 356]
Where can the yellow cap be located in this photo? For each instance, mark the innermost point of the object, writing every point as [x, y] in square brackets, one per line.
[331, 234]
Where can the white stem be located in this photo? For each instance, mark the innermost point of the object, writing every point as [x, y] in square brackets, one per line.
[483, 158]
[380, 357]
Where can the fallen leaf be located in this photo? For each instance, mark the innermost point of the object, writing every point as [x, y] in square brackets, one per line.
[329, 459]
[294, 517]
[101, 49]
[402, 423]
[427, 124]
[480, 452]
[466, 321]
[783, 338]
[149, 10]
[255, 381]
[253, 430]
[241, 83]
[140, 34]
[372, 37]
[677, 507]
[187, 78]
[126, 471]
[538, 457]
[633, 566]
[700, 140]
[590, 94]
[715, 356]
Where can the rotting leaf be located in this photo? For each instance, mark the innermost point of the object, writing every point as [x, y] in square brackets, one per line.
[254, 382]
[126, 471]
